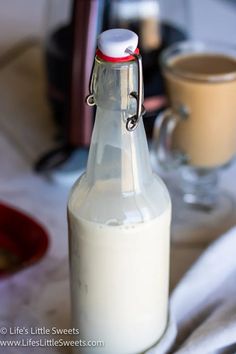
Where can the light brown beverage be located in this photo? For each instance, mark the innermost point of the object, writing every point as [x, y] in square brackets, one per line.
[206, 85]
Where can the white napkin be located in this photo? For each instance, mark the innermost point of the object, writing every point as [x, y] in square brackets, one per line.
[203, 305]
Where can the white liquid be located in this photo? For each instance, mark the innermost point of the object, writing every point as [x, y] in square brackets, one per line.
[120, 280]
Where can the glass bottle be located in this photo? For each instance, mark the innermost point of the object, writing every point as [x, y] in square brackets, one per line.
[119, 215]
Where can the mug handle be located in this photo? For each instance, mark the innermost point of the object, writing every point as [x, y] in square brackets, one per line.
[164, 127]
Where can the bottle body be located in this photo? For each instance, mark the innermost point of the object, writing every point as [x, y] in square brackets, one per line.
[120, 279]
[119, 228]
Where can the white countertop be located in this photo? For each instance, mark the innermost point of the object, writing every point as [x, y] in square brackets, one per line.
[39, 296]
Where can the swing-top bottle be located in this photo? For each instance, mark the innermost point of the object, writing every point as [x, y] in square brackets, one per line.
[119, 214]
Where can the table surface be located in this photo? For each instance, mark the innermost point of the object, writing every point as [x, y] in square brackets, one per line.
[39, 296]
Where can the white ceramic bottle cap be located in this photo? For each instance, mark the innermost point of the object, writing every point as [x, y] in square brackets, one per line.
[114, 42]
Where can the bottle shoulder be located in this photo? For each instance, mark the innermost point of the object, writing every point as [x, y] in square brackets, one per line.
[107, 202]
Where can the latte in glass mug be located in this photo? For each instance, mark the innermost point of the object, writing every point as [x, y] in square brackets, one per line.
[204, 85]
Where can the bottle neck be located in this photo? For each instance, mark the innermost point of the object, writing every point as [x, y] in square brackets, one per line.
[115, 153]
[113, 84]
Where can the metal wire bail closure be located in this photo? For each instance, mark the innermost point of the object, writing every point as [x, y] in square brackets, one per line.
[132, 122]
[90, 98]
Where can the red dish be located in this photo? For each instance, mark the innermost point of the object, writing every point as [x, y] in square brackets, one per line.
[23, 241]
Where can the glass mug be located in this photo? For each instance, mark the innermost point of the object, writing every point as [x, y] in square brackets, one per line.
[198, 130]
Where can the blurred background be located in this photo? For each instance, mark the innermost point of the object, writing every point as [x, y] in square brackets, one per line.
[47, 49]
[46, 53]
